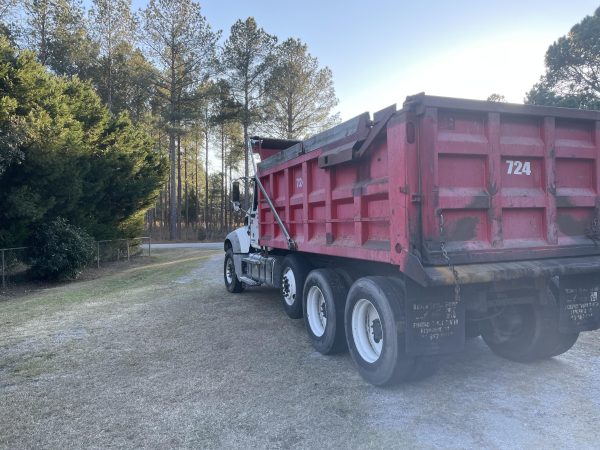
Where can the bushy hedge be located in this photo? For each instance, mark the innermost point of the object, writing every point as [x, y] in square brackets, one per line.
[62, 154]
[59, 251]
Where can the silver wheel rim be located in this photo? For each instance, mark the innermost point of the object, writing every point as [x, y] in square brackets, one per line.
[289, 286]
[367, 331]
[229, 271]
[316, 310]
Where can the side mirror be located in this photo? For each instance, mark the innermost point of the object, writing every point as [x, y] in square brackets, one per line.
[235, 195]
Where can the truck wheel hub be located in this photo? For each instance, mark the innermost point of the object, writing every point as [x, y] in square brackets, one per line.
[288, 289]
[316, 311]
[367, 330]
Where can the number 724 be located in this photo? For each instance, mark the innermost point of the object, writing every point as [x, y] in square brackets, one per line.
[518, 167]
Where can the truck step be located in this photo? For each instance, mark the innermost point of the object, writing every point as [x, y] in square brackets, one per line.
[249, 281]
[251, 260]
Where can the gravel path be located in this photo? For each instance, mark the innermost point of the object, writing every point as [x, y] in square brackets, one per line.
[164, 357]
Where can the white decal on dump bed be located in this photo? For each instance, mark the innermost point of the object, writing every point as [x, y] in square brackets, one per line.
[518, 167]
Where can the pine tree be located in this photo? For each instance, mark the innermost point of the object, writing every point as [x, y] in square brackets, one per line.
[183, 45]
[56, 31]
[245, 59]
[300, 95]
[114, 27]
[572, 77]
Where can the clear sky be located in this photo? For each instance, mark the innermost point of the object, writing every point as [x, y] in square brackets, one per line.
[383, 50]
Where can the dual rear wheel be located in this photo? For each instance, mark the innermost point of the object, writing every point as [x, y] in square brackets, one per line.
[368, 319]
[374, 324]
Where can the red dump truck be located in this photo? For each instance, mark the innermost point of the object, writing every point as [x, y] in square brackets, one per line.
[401, 235]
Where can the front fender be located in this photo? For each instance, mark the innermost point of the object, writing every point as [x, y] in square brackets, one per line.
[239, 242]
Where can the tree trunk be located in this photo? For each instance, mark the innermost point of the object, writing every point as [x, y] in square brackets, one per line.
[246, 156]
[290, 120]
[172, 189]
[222, 177]
[206, 182]
[230, 225]
[185, 192]
[197, 198]
[179, 187]
[162, 211]
[172, 108]
[226, 197]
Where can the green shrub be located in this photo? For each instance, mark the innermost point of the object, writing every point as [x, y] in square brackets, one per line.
[59, 251]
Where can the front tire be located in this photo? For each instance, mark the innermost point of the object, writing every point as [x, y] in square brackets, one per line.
[323, 305]
[374, 321]
[294, 270]
[232, 282]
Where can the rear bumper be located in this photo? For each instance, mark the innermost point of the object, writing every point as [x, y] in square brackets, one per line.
[506, 271]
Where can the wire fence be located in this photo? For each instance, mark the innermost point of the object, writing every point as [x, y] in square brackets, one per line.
[121, 249]
[14, 262]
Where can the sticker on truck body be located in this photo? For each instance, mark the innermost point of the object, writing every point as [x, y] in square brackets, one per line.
[435, 322]
[518, 167]
[579, 303]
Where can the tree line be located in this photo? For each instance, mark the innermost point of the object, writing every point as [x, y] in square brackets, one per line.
[196, 93]
[106, 112]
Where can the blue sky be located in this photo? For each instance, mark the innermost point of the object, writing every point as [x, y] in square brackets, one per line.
[383, 50]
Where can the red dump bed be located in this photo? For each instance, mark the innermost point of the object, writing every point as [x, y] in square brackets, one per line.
[490, 181]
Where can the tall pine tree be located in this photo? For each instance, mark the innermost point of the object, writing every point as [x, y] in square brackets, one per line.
[245, 59]
[300, 95]
[183, 45]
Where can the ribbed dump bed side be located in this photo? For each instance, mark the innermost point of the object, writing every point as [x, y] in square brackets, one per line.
[328, 207]
[506, 182]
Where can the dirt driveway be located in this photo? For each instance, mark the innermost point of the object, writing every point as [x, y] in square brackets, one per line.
[162, 356]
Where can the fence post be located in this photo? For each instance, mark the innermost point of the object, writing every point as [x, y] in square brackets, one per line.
[3, 274]
[149, 242]
[127, 241]
[98, 253]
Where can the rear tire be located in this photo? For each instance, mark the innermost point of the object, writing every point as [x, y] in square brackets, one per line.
[293, 274]
[525, 333]
[564, 343]
[323, 305]
[472, 329]
[373, 314]
[232, 283]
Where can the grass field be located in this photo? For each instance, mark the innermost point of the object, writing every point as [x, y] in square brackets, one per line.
[157, 354]
[41, 312]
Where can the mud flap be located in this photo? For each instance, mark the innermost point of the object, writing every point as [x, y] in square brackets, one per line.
[579, 300]
[435, 322]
